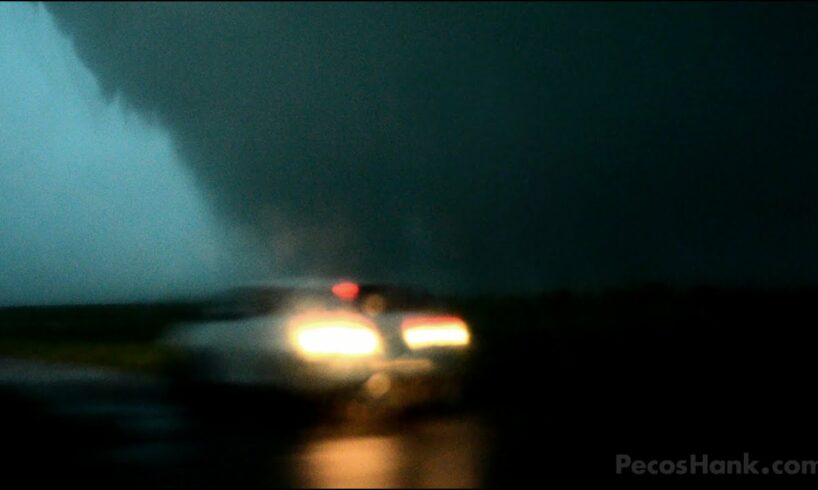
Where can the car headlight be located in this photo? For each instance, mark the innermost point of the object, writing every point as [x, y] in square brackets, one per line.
[435, 331]
[335, 335]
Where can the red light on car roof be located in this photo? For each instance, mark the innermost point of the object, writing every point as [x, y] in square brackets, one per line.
[346, 290]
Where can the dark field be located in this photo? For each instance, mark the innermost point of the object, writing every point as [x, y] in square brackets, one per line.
[560, 384]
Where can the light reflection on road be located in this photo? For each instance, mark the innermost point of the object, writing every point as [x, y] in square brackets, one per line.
[132, 431]
[430, 453]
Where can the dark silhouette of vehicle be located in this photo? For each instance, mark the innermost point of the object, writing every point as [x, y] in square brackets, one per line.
[372, 343]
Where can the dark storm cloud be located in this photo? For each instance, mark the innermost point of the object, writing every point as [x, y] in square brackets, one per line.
[95, 204]
[516, 146]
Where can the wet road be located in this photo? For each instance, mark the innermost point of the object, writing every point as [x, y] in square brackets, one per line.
[65, 423]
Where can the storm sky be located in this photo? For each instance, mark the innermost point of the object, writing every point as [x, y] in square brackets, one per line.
[505, 147]
[94, 202]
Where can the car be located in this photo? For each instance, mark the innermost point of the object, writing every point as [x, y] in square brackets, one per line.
[371, 344]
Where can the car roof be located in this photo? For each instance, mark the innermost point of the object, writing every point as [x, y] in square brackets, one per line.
[322, 286]
[272, 294]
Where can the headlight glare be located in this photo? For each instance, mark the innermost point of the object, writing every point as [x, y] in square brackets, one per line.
[439, 331]
[335, 336]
